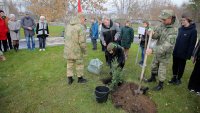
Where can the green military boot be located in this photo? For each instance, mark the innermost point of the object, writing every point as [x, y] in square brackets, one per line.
[70, 80]
[159, 86]
[173, 80]
[152, 78]
[81, 80]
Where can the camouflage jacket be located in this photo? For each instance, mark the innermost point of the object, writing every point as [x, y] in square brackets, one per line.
[75, 40]
[166, 38]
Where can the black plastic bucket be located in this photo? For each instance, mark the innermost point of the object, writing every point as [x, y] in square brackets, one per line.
[101, 93]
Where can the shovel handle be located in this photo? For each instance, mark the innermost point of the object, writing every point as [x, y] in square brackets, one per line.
[145, 60]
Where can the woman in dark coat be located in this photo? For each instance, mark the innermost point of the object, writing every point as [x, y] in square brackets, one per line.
[127, 35]
[194, 82]
[185, 43]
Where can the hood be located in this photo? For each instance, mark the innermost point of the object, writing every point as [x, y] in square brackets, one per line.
[74, 20]
[192, 26]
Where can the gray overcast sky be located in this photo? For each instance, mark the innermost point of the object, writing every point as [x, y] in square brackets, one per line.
[111, 9]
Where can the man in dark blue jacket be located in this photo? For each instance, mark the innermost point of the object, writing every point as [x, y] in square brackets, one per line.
[185, 43]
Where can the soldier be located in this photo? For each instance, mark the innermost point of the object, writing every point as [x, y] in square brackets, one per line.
[75, 48]
[166, 35]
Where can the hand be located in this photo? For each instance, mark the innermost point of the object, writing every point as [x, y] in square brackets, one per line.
[30, 28]
[149, 51]
[16, 31]
[193, 59]
[104, 44]
[83, 51]
[115, 39]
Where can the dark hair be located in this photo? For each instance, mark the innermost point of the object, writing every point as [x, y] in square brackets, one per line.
[187, 16]
[1, 11]
[146, 22]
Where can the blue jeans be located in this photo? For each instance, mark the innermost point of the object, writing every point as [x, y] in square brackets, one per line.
[142, 54]
[32, 39]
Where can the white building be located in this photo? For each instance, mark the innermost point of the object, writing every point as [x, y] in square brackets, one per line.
[4, 6]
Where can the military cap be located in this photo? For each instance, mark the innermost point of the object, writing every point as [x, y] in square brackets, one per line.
[111, 46]
[165, 14]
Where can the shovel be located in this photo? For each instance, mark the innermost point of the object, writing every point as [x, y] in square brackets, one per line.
[139, 90]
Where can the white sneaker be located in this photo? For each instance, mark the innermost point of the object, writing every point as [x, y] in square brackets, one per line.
[40, 49]
[43, 49]
[198, 93]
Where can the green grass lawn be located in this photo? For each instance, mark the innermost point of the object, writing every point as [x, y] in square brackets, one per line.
[35, 82]
[55, 31]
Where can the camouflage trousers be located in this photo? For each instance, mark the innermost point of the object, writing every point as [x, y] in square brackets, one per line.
[159, 68]
[75, 65]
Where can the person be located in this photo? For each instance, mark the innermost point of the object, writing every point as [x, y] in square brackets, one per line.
[2, 57]
[94, 33]
[42, 31]
[115, 52]
[100, 26]
[9, 41]
[3, 31]
[14, 27]
[185, 43]
[75, 48]
[28, 24]
[118, 24]
[143, 41]
[109, 33]
[194, 81]
[127, 35]
[165, 34]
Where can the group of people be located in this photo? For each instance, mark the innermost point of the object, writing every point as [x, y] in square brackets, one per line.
[10, 31]
[116, 41]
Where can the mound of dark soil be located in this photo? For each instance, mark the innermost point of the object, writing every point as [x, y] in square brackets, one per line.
[126, 98]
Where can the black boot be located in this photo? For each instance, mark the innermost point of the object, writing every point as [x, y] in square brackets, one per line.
[178, 82]
[159, 86]
[70, 80]
[81, 80]
[152, 79]
[173, 80]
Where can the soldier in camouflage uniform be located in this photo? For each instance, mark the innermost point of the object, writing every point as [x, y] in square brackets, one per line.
[75, 48]
[166, 35]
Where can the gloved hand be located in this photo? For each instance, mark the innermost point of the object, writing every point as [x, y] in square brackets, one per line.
[83, 51]
[16, 31]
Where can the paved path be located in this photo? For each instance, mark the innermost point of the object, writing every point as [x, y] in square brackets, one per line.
[52, 41]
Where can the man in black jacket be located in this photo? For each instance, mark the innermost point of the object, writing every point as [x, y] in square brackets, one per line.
[185, 43]
[115, 52]
[110, 32]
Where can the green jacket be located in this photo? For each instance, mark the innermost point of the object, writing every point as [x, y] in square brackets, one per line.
[127, 35]
[166, 37]
[75, 40]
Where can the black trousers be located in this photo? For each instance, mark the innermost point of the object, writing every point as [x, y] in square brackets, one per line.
[103, 48]
[94, 43]
[42, 42]
[5, 45]
[178, 67]
[9, 41]
[194, 82]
